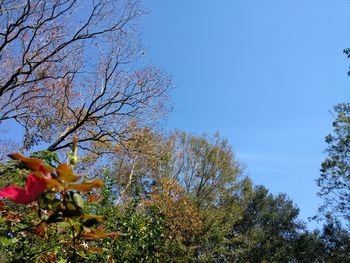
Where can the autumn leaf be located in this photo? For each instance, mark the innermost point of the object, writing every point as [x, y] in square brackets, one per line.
[91, 234]
[93, 198]
[41, 230]
[33, 164]
[34, 187]
[13, 217]
[53, 184]
[65, 174]
[86, 186]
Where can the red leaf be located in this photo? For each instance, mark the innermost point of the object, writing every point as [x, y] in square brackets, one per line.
[34, 187]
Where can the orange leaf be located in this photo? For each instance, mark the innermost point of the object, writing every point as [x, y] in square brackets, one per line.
[53, 184]
[87, 186]
[65, 174]
[93, 198]
[33, 164]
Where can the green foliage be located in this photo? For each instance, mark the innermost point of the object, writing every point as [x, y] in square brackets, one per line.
[47, 156]
[254, 227]
[331, 244]
[11, 173]
[55, 226]
[309, 247]
[336, 242]
[267, 230]
[207, 169]
[200, 209]
[334, 180]
[144, 235]
[347, 53]
[142, 228]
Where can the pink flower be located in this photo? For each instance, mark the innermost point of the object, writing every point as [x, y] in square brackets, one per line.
[34, 187]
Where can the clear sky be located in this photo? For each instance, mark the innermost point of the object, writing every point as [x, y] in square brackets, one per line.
[264, 73]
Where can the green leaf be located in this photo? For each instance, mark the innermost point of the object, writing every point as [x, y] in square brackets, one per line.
[7, 241]
[62, 260]
[78, 200]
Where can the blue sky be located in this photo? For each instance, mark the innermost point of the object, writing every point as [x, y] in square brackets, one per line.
[264, 73]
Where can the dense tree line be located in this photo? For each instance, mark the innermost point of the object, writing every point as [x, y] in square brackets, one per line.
[200, 208]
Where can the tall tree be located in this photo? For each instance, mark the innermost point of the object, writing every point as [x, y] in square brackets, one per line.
[336, 241]
[206, 168]
[73, 67]
[335, 172]
[267, 230]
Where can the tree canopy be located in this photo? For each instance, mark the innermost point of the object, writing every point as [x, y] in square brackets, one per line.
[72, 67]
[335, 172]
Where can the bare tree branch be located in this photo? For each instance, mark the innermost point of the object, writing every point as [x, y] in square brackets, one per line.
[72, 67]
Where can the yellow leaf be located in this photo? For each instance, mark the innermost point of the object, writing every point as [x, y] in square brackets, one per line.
[87, 186]
[66, 174]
